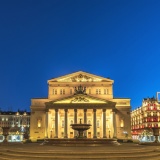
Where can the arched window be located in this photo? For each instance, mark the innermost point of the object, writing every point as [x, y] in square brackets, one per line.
[71, 121]
[89, 122]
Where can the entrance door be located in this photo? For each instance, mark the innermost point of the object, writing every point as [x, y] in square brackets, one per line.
[89, 134]
[71, 134]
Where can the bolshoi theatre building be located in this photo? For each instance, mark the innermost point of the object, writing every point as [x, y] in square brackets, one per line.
[80, 97]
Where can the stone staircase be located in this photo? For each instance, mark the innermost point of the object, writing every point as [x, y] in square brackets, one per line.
[39, 152]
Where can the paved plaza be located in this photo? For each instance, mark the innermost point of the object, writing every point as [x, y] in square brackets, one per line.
[37, 151]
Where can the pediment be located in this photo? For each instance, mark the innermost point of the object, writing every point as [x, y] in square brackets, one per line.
[80, 98]
[80, 77]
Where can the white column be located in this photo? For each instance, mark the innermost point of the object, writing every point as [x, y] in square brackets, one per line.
[104, 123]
[46, 125]
[94, 124]
[56, 123]
[75, 121]
[114, 124]
[85, 121]
[66, 123]
[85, 116]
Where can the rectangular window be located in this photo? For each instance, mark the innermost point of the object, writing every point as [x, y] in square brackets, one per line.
[70, 91]
[98, 91]
[54, 91]
[104, 91]
[62, 91]
[89, 91]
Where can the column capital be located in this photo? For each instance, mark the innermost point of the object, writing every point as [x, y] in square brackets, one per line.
[46, 110]
[66, 110]
[104, 110]
[114, 110]
[75, 110]
[56, 110]
[94, 110]
[85, 110]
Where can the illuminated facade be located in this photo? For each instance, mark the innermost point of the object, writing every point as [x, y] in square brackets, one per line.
[76, 96]
[19, 122]
[145, 120]
[10, 119]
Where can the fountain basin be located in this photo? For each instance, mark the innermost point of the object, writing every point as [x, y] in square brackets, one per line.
[80, 128]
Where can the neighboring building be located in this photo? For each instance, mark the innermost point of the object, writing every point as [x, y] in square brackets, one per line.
[20, 119]
[145, 120]
[84, 96]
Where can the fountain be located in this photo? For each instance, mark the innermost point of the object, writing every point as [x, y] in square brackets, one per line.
[81, 139]
[80, 127]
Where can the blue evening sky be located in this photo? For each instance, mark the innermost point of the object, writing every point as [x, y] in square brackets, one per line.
[42, 39]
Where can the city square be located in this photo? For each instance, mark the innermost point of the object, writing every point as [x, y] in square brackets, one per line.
[79, 79]
[123, 151]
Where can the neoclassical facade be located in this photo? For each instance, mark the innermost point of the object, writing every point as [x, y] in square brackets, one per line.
[80, 96]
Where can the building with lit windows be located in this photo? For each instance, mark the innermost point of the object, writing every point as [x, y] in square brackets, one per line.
[145, 120]
[80, 96]
[10, 121]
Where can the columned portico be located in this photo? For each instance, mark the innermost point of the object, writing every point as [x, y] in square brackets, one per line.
[96, 115]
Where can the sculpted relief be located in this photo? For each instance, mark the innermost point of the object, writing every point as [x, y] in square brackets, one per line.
[81, 78]
[79, 99]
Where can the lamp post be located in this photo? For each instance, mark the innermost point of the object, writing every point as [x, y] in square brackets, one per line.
[126, 134]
